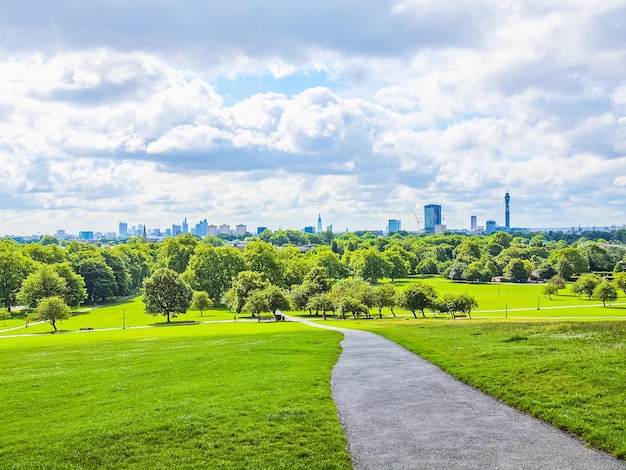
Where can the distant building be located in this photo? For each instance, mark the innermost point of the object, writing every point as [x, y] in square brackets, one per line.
[240, 230]
[201, 229]
[176, 230]
[60, 233]
[507, 211]
[212, 230]
[432, 218]
[224, 229]
[310, 229]
[491, 227]
[473, 224]
[260, 230]
[185, 227]
[85, 236]
[393, 226]
[123, 229]
[319, 223]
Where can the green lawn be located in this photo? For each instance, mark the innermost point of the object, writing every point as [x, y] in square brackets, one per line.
[233, 395]
[570, 374]
[498, 300]
[112, 316]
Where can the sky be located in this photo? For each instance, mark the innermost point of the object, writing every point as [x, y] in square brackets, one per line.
[270, 113]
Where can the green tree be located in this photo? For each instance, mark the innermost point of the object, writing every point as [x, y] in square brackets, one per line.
[619, 279]
[243, 285]
[468, 250]
[456, 270]
[52, 310]
[501, 238]
[75, 290]
[165, 293]
[385, 295]
[575, 259]
[121, 273]
[418, 296]
[398, 266]
[518, 270]
[370, 265]
[44, 282]
[4, 315]
[99, 278]
[586, 284]
[550, 289]
[353, 306]
[201, 301]
[323, 302]
[175, 252]
[14, 268]
[606, 292]
[212, 270]
[427, 266]
[453, 303]
[263, 258]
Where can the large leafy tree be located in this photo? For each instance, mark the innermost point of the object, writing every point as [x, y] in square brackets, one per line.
[620, 280]
[243, 285]
[606, 292]
[165, 293]
[75, 290]
[123, 279]
[418, 296]
[175, 252]
[212, 270]
[52, 310]
[44, 282]
[14, 267]
[99, 278]
[370, 265]
[263, 258]
[385, 295]
[586, 284]
[518, 270]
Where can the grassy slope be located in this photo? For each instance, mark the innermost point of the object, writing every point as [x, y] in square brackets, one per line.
[205, 396]
[570, 374]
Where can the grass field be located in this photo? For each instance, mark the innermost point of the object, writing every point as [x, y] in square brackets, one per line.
[500, 300]
[130, 311]
[234, 395]
[570, 374]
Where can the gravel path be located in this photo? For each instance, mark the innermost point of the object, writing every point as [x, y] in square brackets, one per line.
[399, 411]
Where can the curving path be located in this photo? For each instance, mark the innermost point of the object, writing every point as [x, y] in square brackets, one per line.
[399, 411]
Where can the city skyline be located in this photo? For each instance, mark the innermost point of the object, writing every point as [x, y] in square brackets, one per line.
[269, 112]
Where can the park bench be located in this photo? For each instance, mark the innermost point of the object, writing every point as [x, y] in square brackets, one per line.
[459, 315]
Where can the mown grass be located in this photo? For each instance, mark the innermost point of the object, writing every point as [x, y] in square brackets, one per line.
[526, 300]
[130, 311]
[235, 395]
[570, 374]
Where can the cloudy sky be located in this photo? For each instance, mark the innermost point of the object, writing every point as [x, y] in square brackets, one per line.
[268, 113]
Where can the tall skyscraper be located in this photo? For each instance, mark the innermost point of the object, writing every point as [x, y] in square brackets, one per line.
[123, 229]
[240, 230]
[319, 223]
[507, 208]
[393, 225]
[185, 227]
[432, 218]
[473, 224]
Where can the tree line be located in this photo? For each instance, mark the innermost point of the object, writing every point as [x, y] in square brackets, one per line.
[80, 273]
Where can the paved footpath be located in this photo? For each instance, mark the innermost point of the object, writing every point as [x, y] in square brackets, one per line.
[399, 411]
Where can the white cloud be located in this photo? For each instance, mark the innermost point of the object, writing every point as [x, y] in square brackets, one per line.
[421, 101]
